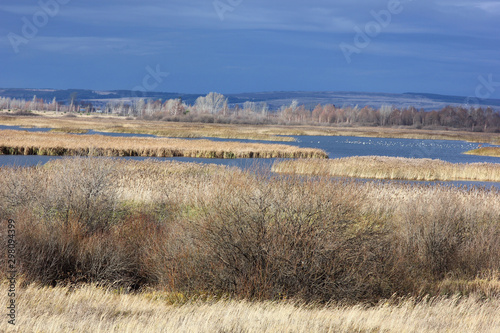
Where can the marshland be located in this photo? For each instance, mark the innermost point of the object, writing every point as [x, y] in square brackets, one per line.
[105, 244]
[237, 166]
[72, 122]
[108, 244]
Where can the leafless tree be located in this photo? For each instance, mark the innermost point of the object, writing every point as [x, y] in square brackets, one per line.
[212, 103]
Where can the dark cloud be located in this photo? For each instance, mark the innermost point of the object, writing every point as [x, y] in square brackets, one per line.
[248, 45]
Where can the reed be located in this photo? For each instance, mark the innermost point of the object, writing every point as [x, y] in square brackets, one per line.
[59, 144]
[485, 151]
[382, 167]
[94, 309]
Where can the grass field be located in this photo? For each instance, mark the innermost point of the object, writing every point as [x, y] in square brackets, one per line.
[93, 309]
[257, 132]
[383, 167]
[193, 247]
[61, 144]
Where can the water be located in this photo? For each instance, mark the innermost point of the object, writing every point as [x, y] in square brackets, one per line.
[347, 146]
[18, 128]
[336, 147]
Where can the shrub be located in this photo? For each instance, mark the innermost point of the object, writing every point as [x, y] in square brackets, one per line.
[66, 253]
[209, 231]
[80, 189]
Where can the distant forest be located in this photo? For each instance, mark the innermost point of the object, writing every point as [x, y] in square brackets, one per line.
[214, 108]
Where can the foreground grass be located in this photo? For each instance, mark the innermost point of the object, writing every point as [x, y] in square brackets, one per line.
[257, 132]
[93, 309]
[61, 144]
[485, 151]
[382, 167]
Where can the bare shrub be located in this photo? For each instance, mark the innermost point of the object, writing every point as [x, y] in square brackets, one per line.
[441, 238]
[81, 189]
[18, 187]
[67, 253]
[289, 238]
[213, 231]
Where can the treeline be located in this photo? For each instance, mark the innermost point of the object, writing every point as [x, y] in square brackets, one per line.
[214, 107]
[474, 119]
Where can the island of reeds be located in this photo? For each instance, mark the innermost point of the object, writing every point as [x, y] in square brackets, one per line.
[62, 144]
[485, 151]
[383, 167]
[114, 245]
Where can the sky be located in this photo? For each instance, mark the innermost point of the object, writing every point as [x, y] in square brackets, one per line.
[231, 46]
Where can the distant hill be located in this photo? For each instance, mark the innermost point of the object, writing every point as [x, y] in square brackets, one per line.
[274, 99]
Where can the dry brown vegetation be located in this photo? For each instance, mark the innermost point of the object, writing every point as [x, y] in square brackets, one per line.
[61, 144]
[383, 167]
[209, 230]
[206, 237]
[259, 132]
[93, 309]
[485, 151]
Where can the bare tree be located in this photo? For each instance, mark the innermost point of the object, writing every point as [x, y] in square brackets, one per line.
[174, 107]
[212, 103]
[33, 105]
[385, 113]
[72, 97]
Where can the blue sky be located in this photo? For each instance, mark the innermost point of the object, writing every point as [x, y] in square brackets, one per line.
[442, 47]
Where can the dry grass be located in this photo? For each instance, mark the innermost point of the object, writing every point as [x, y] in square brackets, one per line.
[60, 144]
[381, 167]
[93, 309]
[485, 151]
[258, 132]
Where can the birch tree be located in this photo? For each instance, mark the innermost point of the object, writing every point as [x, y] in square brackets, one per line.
[385, 113]
[212, 103]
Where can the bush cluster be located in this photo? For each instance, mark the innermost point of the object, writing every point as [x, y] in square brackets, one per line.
[244, 235]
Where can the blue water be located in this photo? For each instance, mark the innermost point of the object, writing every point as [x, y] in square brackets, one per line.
[18, 128]
[335, 146]
[346, 146]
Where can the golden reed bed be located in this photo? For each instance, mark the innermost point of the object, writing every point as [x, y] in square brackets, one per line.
[61, 144]
[485, 151]
[382, 167]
